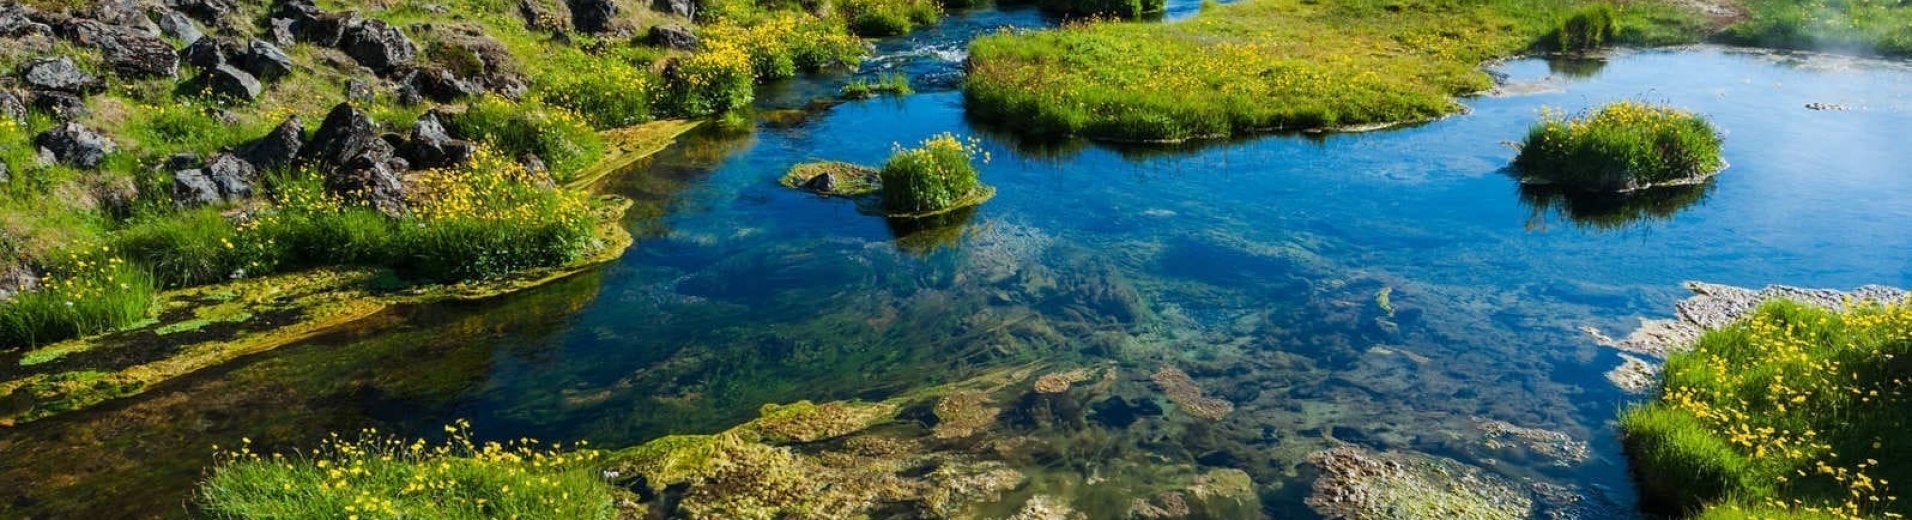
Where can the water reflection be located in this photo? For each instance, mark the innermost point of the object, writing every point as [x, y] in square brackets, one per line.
[1575, 67]
[924, 235]
[1608, 211]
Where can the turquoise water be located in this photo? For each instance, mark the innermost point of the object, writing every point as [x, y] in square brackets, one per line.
[1252, 265]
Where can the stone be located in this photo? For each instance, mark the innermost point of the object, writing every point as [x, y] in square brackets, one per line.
[358, 91]
[593, 16]
[328, 30]
[431, 147]
[378, 45]
[265, 61]
[824, 183]
[124, 13]
[59, 75]
[229, 81]
[184, 161]
[280, 29]
[545, 14]
[76, 145]
[279, 148]
[371, 181]
[6, 173]
[178, 26]
[345, 134]
[674, 36]
[11, 107]
[194, 188]
[209, 11]
[438, 84]
[686, 9]
[17, 19]
[408, 95]
[533, 164]
[205, 53]
[131, 53]
[62, 105]
[232, 175]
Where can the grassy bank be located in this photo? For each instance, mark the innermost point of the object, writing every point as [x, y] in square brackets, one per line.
[1850, 27]
[1796, 412]
[1264, 65]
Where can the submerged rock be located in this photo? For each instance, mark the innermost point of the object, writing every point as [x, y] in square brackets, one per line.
[1182, 391]
[1356, 484]
[806, 422]
[963, 414]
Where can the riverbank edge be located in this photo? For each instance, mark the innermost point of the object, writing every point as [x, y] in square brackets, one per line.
[312, 302]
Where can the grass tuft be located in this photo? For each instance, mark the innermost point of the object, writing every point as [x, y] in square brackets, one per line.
[1622, 146]
[936, 176]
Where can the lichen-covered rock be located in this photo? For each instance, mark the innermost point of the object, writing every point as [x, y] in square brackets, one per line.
[232, 175]
[674, 36]
[265, 61]
[179, 27]
[193, 188]
[1356, 484]
[230, 82]
[206, 53]
[279, 148]
[76, 145]
[59, 75]
[431, 147]
[209, 11]
[131, 53]
[61, 105]
[11, 107]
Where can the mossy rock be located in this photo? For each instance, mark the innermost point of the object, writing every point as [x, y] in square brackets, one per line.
[845, 179]
[805, 422]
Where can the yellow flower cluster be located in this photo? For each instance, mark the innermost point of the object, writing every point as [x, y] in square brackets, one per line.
[493, 188]
[1783, 395]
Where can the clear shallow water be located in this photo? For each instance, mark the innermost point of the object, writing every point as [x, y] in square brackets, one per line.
[1251, 265]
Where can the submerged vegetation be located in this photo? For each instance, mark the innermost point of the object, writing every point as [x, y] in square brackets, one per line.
[1269, 65]
[936, 176]
[374, 476]
[1622, 146]
[1796, 412]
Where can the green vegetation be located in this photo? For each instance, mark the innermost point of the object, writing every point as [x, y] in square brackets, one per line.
[374, 476]
[1114, 8]
[88, 296]
[1587, 29]
[846, 179]
[879, 18]
[558, 136]
[1622, 146]
[936, 176]
[1796, 412]
[1268, 65]
[1851, 26]
[894, 84]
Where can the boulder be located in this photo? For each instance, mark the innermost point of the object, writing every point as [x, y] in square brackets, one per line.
[124, 13]
[180, 27]
[229, 81]
[544, 14]
[184, 161]
[280, 30]
[209, 11]
[822, 183]
[194, 188]
[75, 145]
[265, 61]
[232, 175]
[674, 36]
[345, 134]
[205, 53]
[438, 84]
[59, 75]
[326, 29]
[17, 19]
[62, 105]
[593, 15]
[378, 45]
[358, 91]
[682, 8]
[431, 147]
[131, 53]
[12, 107]
[376, 183]
[279, 148]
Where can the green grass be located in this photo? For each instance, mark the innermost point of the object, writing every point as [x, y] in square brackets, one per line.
[563, 139]
[1129, 9]
[375, 476]
[935, 176]
[90, 295]
[1264, 65]
[1589, 28]
[1791, 410]
[1622, 146]
[882, 18]
[893, 84]
[1846, 26]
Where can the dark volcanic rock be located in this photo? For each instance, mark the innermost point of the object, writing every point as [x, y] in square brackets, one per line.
[431, 147]
[229, 81]
[179, 27]
[265, 61]
[280, 30]
[194, 188]
[209, 11]
[131, 53]
[62, 105]
[545, 14]
[681, 8]
[439, 84]
[372, 182]
[321, 28]
[124, 13]
[822, 183]
[75, 145]
[279, 148]
[345, 134]
[232, 175]
[674, 36]
[592, 15]
[378, 45]
[17, 19]
[358, 91]
[359, 162]
[205, 53]
[60, 75]
[12, 107]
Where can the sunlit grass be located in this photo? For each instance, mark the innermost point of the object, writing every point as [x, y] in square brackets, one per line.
[1621, 146]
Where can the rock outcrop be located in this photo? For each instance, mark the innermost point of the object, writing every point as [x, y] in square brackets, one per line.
[59, 75]
[75, 145]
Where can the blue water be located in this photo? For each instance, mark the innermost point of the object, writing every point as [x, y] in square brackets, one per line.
[1252, 265]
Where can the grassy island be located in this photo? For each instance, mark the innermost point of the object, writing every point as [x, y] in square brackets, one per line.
[1267, 65]
[932, 178]
[1619, 147]
[1796, 412]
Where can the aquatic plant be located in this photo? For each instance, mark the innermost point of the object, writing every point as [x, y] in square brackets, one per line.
[1622, 146]
[380, 476]
[1590, 27]
[938, 175]
[1794, 412]
[895, 84]
[1249, 67]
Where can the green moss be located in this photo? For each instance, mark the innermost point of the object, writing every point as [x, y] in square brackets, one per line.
[852, 180]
